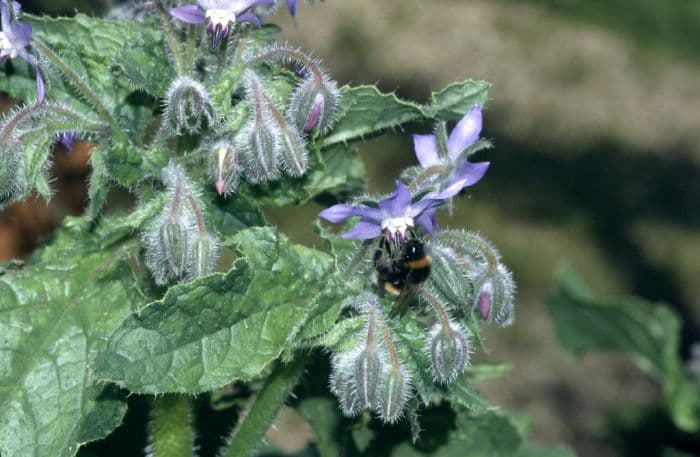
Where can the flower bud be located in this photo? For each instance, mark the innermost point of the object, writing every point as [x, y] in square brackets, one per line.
[205, 253]
[341, 385]
[174, 244]
[259, 140]
[368, 374]
[224, 167]
[449, 351]
[295, 158]
[314, 104]
[12, 180]
[392, 394]
[494, 302]
[188, 107]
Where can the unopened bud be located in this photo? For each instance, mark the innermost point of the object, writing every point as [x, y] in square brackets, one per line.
[449, 351]
[314, 104]
[224, 167]
[12, 180]
[393, 394]
[188, 108]
[484, 300]
[259, 140]
[174, 243]
[494, 303]
[368, 374]
[342, 387]
[205, 253]
[295, 158]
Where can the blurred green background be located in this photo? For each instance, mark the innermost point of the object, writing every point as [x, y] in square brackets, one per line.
[594, 115]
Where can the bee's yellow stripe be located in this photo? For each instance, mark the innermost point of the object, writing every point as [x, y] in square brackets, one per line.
[420, 263]
[390, 289]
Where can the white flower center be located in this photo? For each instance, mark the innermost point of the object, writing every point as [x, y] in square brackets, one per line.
[397, 225]
[218, 16]
[6, 48]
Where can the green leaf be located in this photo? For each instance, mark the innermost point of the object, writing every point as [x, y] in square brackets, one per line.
[223, 327]
[365, 111]
[231, 215]
[487, 434]
[123, 162]
[143, 64]
[55, 315]
[649, 333]
[456, 99]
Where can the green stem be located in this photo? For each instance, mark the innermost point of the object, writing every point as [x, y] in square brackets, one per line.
[170, 428]
[80, 84]
[247, 436]
[191, 47]
[170, 38]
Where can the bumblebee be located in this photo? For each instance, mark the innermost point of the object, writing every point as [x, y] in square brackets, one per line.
[398, 268]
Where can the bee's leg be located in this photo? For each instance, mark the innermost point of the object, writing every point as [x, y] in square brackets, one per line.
[403, 300]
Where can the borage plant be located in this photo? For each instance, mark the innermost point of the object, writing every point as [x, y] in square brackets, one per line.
[203, 119]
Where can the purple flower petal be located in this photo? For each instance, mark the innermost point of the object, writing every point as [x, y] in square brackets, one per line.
[292, 6]
[465, 133]
[339, 213]
[398, 203]
[426, 150]
[190, 14]
[472, 172]
[242, 5]
[250, 18]
[428, 220]
[19, 34]
[363, 231]
[424, 205]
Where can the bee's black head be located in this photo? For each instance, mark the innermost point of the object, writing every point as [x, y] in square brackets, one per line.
[414, 250]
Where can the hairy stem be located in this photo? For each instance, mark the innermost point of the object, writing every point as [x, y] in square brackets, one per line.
[170, 38]
[191, 47]
[425, 175]
[286, 54]
[456, 242]
[170, 429]
[439, 309]
[81, 85]
[251, 428]
[388, 340]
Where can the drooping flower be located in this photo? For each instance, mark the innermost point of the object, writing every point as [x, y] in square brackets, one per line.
[14, 41]
[464, 135]
[394, 216]
[219, 15]
[292, 6]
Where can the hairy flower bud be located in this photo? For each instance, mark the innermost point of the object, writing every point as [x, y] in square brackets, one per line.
[188, 106]
[392, 394]
[341, 385]
[314, 104]
[12, 179]
[368, 374]
[494, 302]
[259, 140]
[449, 351]
[224, 167]
[174, 243]
[295, 158]
[205, 253]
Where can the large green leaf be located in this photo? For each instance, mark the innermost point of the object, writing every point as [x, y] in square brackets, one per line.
[647, 332]
[365, 111]
[55, 315]
[223, 327]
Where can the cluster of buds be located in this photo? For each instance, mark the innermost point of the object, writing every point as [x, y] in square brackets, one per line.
[314, 103]
[179, 246]
[370, 375]
[456, 273]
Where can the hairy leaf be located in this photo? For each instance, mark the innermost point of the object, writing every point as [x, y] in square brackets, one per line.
[223, 327]
[647, 332]
[54, 317]
[365, 111]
